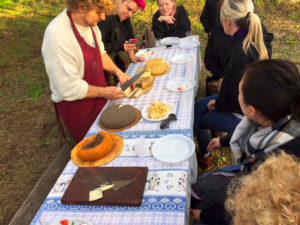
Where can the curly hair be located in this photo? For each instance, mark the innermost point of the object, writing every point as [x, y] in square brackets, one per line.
[109, 7]
[269, 195]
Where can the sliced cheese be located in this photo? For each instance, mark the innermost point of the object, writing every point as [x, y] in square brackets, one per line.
[105, 188]
[127, 92]
[147, 73]
[95, 194]
[152, 62]
[137, 94]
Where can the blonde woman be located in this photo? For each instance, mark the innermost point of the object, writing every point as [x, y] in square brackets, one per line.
[170, 20]
[269, 195]
[222, 112]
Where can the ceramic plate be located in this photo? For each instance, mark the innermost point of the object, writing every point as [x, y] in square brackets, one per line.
[145, 52]
[145, 112]
[176, 83]
[76, 220]
[173, 148]
[169, 40]
[189, 44]
[182, 59]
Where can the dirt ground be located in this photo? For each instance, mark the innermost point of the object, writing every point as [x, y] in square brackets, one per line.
[29, 135]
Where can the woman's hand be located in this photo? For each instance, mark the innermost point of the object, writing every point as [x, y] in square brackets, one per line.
[214, 144]
[211, 105]
[195, 214]
[136, 59]
[129, 47]
[169, 19]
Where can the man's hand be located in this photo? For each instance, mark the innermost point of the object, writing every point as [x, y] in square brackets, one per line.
[136, 59]
[211, 105]
[169, 19]
[123, 78]
[129, 47]
[195, 214]
[214, 144]
[112, 93]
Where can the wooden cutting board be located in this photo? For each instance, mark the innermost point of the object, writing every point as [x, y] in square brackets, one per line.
[87, 179]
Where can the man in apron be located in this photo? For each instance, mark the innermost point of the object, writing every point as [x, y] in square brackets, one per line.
[74, 57]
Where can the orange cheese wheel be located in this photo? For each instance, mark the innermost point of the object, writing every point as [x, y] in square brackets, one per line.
[95, 147]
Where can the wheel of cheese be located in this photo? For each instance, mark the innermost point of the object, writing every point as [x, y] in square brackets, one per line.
[158, 68]
[118, 116]
[95, 147]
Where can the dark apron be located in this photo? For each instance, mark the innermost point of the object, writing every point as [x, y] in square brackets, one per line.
[79, 115]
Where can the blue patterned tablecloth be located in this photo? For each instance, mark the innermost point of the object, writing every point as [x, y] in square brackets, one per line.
[167, 191]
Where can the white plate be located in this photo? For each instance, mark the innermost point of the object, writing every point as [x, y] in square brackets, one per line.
[76, 221]
[169, 40]
[142, 51]
[189, 44]
[182, 59]
[176, 83]
[173, 148]
[145, 112]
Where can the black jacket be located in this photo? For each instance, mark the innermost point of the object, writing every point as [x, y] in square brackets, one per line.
[177, 29]
[217, 213]
[217, 49]
[216, 52]
[114, 34]
[236, 63]
[210, 16]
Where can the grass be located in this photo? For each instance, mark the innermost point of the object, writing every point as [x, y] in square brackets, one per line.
[29, 136]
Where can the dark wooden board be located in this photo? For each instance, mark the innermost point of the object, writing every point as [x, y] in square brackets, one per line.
[87, 179]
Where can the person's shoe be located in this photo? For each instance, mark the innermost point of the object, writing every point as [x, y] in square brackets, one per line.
[205, 163]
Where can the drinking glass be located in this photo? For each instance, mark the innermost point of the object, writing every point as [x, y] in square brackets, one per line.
[140, 146]
[157, 40]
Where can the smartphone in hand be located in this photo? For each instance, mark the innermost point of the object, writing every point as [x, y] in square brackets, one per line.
[133, 41]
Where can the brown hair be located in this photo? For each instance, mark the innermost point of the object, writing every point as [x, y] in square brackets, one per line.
[109, 7]
[269, 195]
[241, 12]
[273, 88]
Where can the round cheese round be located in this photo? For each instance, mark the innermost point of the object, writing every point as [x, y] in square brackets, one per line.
[118, 116]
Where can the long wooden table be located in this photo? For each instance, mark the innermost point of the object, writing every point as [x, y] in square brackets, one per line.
[167, 192]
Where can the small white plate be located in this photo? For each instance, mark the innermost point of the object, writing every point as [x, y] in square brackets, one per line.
[176, 83]
[169, 40]
[173, 148]
[145, 112]
[143, 51]
[189, 44]
[76, 220]
[182, 59]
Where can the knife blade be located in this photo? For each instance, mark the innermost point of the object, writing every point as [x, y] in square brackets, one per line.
[121, 183]
[131, 81]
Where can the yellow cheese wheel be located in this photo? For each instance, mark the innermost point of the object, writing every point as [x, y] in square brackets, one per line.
[158, 68]
[152, 62]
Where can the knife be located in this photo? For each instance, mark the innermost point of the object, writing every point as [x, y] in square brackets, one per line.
[131, 81]
[121, 183]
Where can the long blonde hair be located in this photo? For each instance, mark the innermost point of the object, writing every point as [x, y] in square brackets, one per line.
[241, 12]
[269, 195]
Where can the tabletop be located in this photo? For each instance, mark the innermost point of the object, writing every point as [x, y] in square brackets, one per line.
[167, 191]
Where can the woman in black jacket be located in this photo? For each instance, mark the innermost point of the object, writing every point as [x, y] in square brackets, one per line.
[170, 20]
[116, 30]
[270, 99]
[222, 112]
